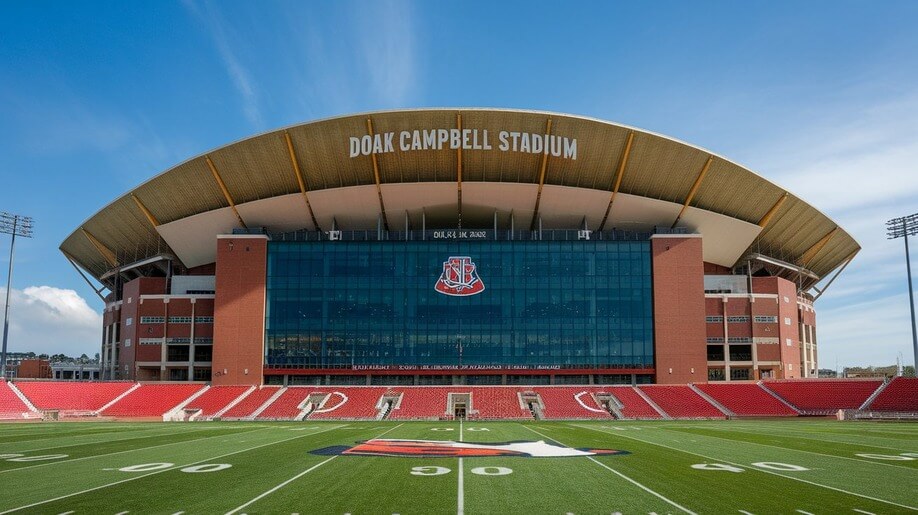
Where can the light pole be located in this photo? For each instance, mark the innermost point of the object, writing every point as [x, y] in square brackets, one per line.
[14, 225]
[903, 227]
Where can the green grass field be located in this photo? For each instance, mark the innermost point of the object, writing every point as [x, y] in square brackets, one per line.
[672, 467]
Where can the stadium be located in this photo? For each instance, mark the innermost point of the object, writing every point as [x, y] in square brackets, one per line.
[346, 307]
[466, 246]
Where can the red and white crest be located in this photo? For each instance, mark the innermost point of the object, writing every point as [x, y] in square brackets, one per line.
[459, 278]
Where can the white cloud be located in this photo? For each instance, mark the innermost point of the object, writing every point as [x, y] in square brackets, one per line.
[855, 160]
[49, 320]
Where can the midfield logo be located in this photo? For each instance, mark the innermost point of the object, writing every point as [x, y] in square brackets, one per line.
[447, 449]
[459, 278]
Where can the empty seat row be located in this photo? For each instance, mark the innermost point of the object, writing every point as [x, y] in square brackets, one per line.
[824, 396]
[747, 399]
[899, 395]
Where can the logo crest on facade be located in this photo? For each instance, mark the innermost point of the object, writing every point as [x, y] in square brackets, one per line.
[459, 278]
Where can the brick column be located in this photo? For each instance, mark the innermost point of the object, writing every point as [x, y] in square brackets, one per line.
[239, 310]
[680, 343]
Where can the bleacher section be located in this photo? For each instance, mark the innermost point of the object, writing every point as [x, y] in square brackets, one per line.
[70, 397]
[11, 406]
[421, 403]
[824, 396]
[899, 395]
[634, 406]
[497, 402]
[252, 402]
[287, 406]
[151, 400]
[357, 403]
[746, 399]
[562, 402]
[680, 401]
[154, 400]
[215, 399]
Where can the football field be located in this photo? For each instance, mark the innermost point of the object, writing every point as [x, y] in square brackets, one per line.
[748, 466]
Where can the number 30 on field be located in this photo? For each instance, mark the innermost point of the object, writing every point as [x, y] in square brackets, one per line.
[151, 467]
[439, 471]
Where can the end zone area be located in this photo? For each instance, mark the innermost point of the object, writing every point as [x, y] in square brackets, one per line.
[460, 467]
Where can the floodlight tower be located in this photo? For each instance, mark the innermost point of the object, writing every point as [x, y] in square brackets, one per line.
[903, 227]
[14, 225]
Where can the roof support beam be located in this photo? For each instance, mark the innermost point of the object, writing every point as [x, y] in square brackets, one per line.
[98, 291]
[382, 206]
[618, 179]
[812, 251]
[101, 248]
[694, 190]
[838, 272]
[300, 180]
[146, 212]
[771, 212]
[459, 169]
[226, 193]
[535, 211]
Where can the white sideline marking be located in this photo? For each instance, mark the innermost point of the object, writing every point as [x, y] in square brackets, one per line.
[120, 452]
[294, 478]
[797, 450]
[460, 496]
[122, 513]
[862, 511]
[93, 489]
[752, 468]
[626, 478]
[67, 512]
[744, 512]
[803, 512]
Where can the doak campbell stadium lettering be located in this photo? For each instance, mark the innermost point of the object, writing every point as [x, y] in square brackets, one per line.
[466, 139]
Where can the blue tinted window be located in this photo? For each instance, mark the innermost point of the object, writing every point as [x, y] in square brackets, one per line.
[345, 303]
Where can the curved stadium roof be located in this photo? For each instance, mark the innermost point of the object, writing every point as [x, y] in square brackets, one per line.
[303, 177]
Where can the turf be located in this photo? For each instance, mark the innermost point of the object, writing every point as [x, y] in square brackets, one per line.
[767, 466]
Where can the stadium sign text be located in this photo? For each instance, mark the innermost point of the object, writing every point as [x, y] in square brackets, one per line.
[466, 139]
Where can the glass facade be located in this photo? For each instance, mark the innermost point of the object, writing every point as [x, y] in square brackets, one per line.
[400, 303]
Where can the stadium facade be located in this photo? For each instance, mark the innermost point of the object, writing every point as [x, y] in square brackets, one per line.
[459, 246]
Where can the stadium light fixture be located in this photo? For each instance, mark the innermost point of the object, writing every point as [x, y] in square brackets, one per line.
[14, 225]
[903, 227]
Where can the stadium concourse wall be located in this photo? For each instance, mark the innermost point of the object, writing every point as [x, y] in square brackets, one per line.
[852, 399]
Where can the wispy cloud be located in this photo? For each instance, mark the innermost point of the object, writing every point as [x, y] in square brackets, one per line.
[222, 33]
[857, 162]
[46, 319]
[368, 61]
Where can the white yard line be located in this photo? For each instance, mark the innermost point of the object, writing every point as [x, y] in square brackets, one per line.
[292, 479]
[799, 450]
[93, 489]
[862, 511]
[460, 495]
[623, 476]
[751, 468]
[45, 464]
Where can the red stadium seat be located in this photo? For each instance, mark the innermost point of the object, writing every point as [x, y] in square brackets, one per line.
[250, 403]
[287, 405]
[152, 400]
[11, 406]
[70, 396]
[747, 399]
[571, 402]
[899, 395]
[349, 403]
[824, 396]
[215, 399]
[634, 406]
[680, 401]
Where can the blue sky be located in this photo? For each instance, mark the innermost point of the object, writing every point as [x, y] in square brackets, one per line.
[820, 97]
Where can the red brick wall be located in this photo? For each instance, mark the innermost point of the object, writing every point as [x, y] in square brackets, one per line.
[34, 369]
[131, 308]
[791, 362]
[239, 310]
[679, 310]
